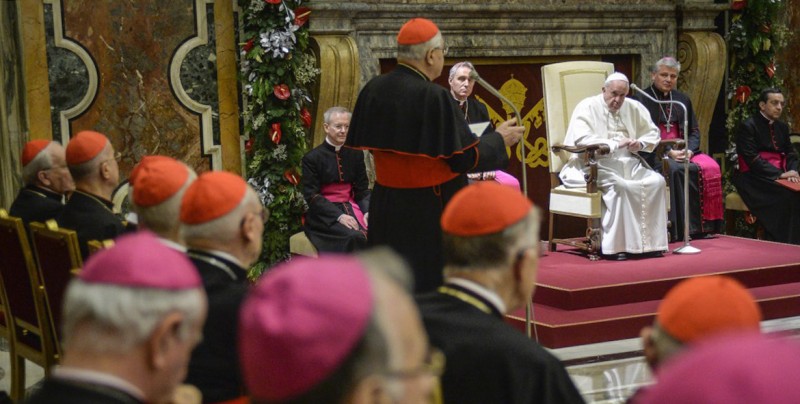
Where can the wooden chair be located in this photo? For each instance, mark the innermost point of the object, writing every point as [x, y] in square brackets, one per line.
[99, 245]
[564, 86]
[59, 259]
[299, 244]
[31, 334]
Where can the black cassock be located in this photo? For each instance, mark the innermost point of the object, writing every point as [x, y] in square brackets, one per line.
[422, 147]
[487, 360]
[776, 208]
[92, 219]
[322, 166]
[659, 114]
[214, 365]
[35, 204]
[59, 391]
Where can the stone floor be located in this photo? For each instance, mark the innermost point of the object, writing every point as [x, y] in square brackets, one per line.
[605, 373]
[610, 372]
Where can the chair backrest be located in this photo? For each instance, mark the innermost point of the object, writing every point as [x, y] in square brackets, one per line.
[24, 296]
[99, 245]
[565, 85]
[59, 258]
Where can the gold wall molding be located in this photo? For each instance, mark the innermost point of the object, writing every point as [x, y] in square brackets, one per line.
[228, 90]
[339, 81]
[34, 60]
[702, 56]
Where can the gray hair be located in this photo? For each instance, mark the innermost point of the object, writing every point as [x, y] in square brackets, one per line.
[42, 161]
[164, 217]
[116, 319]
[223, 229]
[493, 250]
[459, 65]
[666, 345]
[328, 115]
[667, 61]
[418, 51]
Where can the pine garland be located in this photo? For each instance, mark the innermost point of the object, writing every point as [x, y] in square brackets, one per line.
[277, 72]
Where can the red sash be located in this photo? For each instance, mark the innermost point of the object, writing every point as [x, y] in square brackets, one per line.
[777, 159]
[342, 192]
[409, 170]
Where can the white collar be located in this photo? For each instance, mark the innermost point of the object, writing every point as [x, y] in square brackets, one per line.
[173, 245]
[333, 145]
[95, 377]
[765, 117]
[481, 291]
[223, 254]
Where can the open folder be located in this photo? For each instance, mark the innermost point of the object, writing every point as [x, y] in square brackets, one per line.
[794, 186]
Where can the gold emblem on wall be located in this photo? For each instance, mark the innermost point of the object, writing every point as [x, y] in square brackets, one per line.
[536, 152]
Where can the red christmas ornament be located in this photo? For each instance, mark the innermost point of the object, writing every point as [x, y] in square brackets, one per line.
[305, 116]
[765, 28]
[248, 45]
[770, 69]
[738, 5]
[301, 15]
[291, 176]
[281, 91]
[275, 133]
[743, 94]
[248, 146]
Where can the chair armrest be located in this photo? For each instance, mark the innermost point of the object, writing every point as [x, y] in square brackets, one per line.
[592, 148]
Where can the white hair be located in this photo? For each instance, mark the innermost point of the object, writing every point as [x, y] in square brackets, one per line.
[418, 51]
[223, 229]
[165, 216]
[42, 161]
[116, 319]
[454, 69]
[328, 115]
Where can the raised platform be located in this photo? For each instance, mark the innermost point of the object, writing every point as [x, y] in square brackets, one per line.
[578, 301]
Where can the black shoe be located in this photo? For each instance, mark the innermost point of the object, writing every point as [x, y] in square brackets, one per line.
[616, 257]
[653, 254]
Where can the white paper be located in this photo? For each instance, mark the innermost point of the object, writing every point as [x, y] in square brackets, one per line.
[478, 128]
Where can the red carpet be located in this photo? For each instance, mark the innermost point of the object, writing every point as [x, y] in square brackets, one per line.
[578, 301]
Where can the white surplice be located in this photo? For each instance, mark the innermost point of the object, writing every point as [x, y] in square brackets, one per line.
[634, 211]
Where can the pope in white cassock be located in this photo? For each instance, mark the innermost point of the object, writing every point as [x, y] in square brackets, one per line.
[634, 211]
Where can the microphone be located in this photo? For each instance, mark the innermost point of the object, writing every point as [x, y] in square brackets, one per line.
[686, 249]
[488, 87]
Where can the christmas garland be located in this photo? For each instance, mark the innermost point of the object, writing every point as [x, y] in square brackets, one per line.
[277, 72]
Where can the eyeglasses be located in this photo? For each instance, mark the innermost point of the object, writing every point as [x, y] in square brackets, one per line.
[444, 50]
[338, 127]
[432, 366]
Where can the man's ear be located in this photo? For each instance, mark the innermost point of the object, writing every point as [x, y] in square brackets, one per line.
[43, 178]
[649, 347]
[162, 340]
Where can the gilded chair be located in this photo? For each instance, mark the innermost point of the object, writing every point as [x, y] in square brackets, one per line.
[564, 86]
[31, 334]
[59, 259]
[99, 245]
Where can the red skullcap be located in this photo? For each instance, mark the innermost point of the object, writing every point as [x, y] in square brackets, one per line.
[301, 322]
[139, 260]
[417, 31]
[699, 307]
[156, 179]
[32, 149]
[483, 208]
[213, 195]
[85, 146]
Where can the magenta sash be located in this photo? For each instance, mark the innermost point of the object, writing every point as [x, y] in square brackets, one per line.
[506, 179]
[777, 159]
[710, 178]
[342, 192]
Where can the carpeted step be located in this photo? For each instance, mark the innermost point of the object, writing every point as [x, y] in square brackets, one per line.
[558, 328]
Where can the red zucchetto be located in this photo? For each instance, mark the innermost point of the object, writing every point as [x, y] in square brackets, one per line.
[32, 149]
[156, 179]
[707, 305]
[417, 31]
[485, 207]
[85, 146]
[213, 195]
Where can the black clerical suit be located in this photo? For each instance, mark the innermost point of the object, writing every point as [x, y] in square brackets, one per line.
[422, 148]
[214, 365]
[488, 361]
[672, 114]
[776, 208]
[59, 391]
[37, 204]
[322, 166]
[92, 219]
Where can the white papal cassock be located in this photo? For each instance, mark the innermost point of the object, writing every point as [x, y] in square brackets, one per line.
[634, 211]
